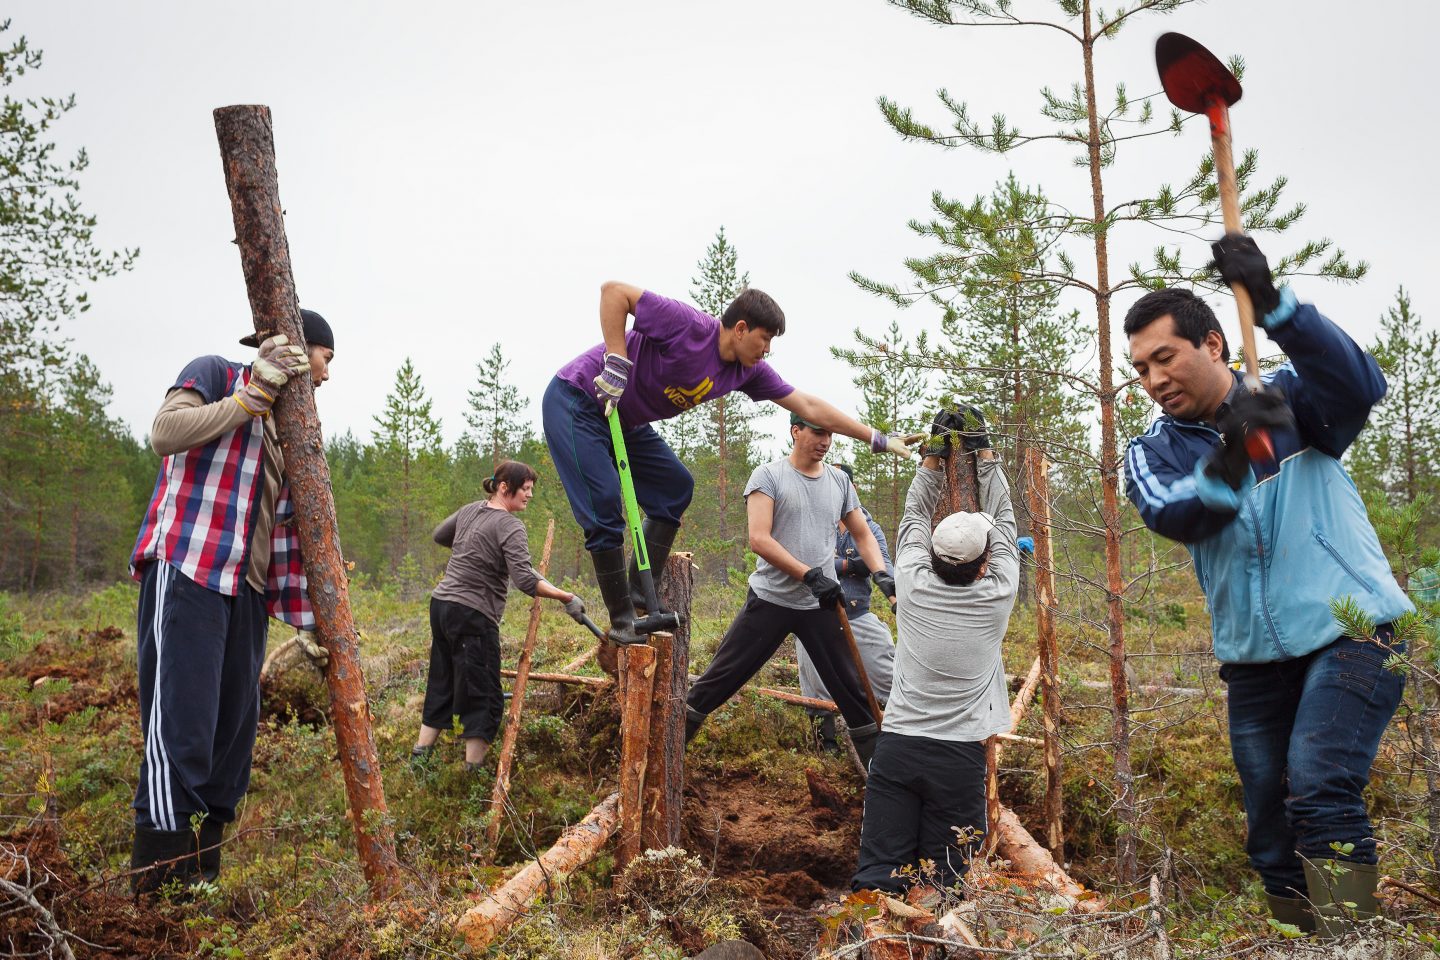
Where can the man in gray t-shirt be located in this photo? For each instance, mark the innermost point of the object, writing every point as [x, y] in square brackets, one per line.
[792, 507]
[925, 798]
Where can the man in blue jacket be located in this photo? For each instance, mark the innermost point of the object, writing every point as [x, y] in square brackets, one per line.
[1274, 540]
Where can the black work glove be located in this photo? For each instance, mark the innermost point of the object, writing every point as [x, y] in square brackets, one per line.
[968, 423]
[1238, 260]
[1250, 414]
[825, 590]
[885, 582]
[856, 567]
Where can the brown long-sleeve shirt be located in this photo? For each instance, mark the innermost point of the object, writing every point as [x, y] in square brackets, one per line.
[489, 552]
[185, 421]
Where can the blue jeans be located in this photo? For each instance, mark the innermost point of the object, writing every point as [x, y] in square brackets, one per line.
[1304, 733]
[579, 440]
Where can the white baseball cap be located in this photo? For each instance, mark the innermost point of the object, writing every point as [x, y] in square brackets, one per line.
[961, 537]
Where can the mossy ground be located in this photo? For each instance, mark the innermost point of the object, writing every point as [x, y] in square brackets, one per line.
[763, 860]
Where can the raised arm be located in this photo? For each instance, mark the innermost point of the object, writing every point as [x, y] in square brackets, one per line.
[830, 417]
[995, 500]
[185, 421]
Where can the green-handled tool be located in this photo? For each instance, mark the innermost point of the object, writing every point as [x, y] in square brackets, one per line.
[655, 619]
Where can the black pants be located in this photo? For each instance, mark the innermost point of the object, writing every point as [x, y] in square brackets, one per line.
[464, 676]
[754, 636]
[920, 792]
[199, 658]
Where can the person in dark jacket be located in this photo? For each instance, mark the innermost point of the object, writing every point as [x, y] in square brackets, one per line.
[489, 552]
[872, 637]
[1275, 538]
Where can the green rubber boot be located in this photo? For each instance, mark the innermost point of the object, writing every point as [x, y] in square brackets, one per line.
[1335, 884]
[1292, 910]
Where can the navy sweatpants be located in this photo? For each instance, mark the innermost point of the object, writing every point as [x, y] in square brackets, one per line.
[200, 654]
[579, 440]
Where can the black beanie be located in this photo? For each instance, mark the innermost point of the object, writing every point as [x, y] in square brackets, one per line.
[316, 329]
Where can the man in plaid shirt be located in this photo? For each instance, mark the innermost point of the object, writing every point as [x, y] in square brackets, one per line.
[216, 553]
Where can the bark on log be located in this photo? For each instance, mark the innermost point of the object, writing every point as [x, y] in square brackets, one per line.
[599, 683]
[1024, 695]
[247, 149]
[637, 691]
[576, 847]
[1034, 862]
[579, 661]
[500, 795]
[1049, 651]
[962, 486]
[665, 769]
[992, 794]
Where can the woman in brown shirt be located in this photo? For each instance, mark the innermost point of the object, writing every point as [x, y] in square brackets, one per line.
[489, 553]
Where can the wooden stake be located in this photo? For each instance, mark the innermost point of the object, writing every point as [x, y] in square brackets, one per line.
[500, 796]
[576, 847]
[247, 149]
[637, 690]
[665, 768]
[1054, 806]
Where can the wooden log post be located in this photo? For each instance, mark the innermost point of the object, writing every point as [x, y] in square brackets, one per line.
[577, 846]
[247, 149]
[1054, 805]
[665, 768]
[500, 796]
[637, 691]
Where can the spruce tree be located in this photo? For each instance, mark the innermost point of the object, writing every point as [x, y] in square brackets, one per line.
[496, 411]
[1398, 455]
[411, 466]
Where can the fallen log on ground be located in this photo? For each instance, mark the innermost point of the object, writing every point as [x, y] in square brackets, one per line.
[596, 682]
[577, 846]
[1033, 862]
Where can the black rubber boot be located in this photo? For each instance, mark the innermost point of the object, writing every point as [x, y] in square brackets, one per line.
[693, 720]
[864, 740]
[162, 856]
[822, 733]
[614, 584]
[659, 539]
[211, 833]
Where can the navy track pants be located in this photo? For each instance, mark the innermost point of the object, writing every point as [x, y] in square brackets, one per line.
[200, 654]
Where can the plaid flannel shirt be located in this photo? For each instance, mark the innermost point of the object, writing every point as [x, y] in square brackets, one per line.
[1425, 585]
[203, 508]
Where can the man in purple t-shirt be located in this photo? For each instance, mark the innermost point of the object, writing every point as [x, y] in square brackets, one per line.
[675, 357]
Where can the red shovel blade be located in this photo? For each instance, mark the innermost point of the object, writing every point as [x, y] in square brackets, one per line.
[1192, 76]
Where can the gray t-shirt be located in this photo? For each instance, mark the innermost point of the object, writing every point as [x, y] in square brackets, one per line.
[806, 512]
[949, 675]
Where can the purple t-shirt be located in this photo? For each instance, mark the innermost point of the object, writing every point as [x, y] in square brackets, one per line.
[677, 364]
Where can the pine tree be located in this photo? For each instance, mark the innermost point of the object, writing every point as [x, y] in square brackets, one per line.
[1099, 133]
[893, 384]
[496, 411]
[1398, 455]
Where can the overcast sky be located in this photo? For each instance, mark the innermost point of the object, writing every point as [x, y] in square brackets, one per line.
[460, 173]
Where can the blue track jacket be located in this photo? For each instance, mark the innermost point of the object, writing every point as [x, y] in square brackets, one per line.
[1271, 556]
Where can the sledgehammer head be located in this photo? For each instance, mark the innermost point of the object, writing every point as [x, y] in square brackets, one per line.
[661, 621]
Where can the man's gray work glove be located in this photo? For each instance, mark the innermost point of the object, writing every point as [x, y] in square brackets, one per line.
[575, 607]
[885, 582]
[277, 361]
[824, 589]
[612, 379]
[318, 655]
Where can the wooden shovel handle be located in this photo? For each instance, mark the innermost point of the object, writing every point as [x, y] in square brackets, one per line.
[859, 662]
[1219, 115]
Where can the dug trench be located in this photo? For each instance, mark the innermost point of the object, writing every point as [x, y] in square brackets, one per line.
[789, 847]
